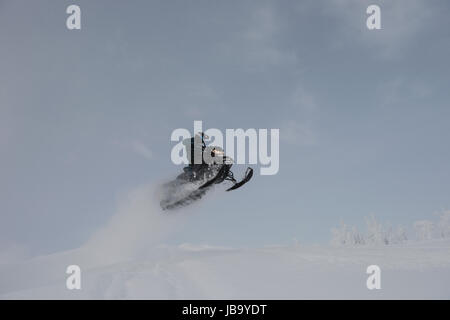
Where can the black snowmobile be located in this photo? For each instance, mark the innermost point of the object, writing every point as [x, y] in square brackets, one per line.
[196, 179]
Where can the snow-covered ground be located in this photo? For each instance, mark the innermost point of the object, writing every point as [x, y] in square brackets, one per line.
[126, 260]
[196, 272]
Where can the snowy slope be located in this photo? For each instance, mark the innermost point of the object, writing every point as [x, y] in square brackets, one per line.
[126, 259]
[408, 271]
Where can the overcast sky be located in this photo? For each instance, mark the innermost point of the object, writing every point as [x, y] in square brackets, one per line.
[86, 115]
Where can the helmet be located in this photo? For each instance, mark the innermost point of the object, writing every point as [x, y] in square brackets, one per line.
[217, 152]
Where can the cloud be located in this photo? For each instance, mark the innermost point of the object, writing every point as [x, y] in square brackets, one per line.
[297, 129]
[142, 150]
[296, 133]
[303, 100]
[259, 40]
[398, 90]
[199, 98]
[256, 44]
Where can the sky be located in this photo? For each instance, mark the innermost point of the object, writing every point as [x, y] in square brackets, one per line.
[86, 115]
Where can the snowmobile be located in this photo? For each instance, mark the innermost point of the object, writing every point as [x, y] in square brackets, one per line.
[197, 179]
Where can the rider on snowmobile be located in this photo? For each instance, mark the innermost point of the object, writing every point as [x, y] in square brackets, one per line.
[208, 165]
[195, 148]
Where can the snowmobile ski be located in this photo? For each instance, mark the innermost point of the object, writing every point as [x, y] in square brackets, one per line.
[248, 175]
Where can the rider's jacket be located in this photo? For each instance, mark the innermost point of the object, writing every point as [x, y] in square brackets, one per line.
[194, 147]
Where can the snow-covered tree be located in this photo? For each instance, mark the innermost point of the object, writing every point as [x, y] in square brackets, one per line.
[345, 235]
[401, 235]
[379, 234]
[424, 229]
[443, 225]
[376, 234]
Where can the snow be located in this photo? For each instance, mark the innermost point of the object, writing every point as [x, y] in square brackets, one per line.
[127, 259]
[203, 272]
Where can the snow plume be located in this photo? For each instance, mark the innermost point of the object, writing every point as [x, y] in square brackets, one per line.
[138, 225]
[133, 234]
